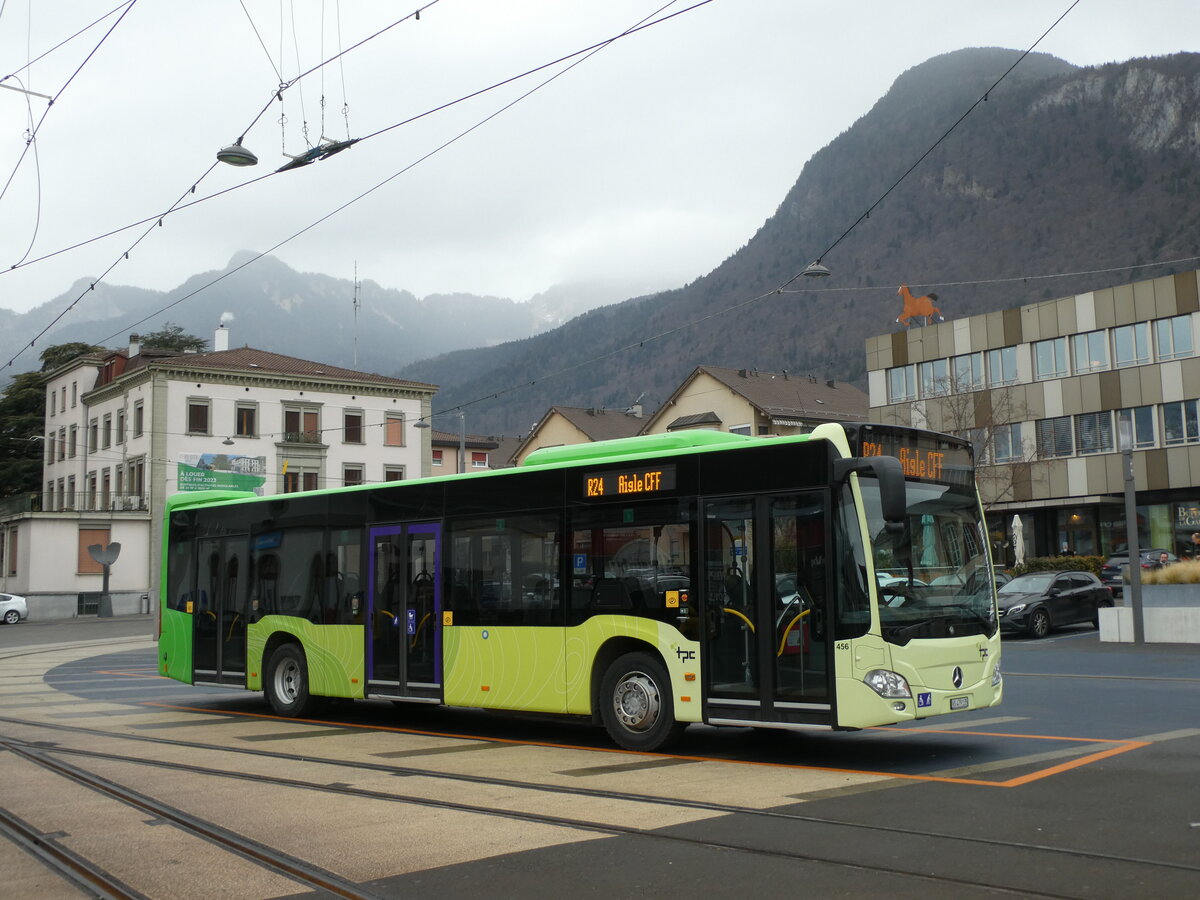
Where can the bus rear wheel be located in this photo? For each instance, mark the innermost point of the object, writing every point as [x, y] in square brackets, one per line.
[286, 684]
[636, 704]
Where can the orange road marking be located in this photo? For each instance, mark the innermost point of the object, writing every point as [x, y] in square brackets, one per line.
[1122, 746]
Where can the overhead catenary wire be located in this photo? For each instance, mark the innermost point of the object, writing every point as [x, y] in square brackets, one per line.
[585, 52]
[58, 95]
[158, 218]
[982, 99]
[408, 121]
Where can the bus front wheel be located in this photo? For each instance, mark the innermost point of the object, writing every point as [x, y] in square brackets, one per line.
[636, 704]
[286, 684]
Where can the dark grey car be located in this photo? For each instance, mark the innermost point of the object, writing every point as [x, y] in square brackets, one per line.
[1039, 601]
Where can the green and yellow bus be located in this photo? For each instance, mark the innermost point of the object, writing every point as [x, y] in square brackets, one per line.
[836, 580]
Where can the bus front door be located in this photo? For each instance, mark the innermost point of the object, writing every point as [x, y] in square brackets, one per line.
[766, 656]
[219, 616]
[403, 634]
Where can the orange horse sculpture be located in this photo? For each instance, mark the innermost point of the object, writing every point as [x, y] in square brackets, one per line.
[917, 306]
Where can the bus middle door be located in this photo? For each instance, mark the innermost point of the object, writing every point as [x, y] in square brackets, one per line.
[404, 608]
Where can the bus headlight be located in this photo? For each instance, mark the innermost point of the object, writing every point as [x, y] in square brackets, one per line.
[996, 679]
[887, 684]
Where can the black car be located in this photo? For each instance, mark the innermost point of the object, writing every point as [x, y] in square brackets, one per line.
[1039, 601]
[1114, 572]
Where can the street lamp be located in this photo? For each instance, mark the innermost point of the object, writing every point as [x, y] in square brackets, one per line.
[1125, 440]
[462, 434]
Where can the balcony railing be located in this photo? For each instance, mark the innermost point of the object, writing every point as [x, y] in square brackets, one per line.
[301, 437]
[82, 501]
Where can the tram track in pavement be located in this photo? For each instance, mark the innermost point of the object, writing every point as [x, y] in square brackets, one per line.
[44, 753]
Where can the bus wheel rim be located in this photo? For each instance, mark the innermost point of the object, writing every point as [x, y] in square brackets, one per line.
[286, 680]
[636, 702]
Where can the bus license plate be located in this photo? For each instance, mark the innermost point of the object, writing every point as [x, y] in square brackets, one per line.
[960, 702]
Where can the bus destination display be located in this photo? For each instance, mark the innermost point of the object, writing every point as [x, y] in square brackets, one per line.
[628, 482]
[922, 456]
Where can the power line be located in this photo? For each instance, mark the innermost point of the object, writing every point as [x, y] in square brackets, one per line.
[61, 90]
[936, 144]
[586, 52]
[179, 205]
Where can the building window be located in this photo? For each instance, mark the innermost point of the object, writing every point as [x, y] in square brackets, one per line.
[87, 537]
[301, 425]
[245, 420]
[69, 502]
[352, 475]
[1180, 424]
[479, 460]
[48, 503]
[1006, 439]
[1002, 366]
[935, 380]
[106, 489]
[1138, 423]
[1050, 359]
[106, 432]
[741, 429]
[63, 407]
[393, 430]
[93, 435]
[74, 394]
[299, 480]
[352, 427]
[12, 551]
[137, 480]
[437, 457]
[902, 384]
[1094, 433]
[73, 441]
[1090, 351]
[1055, 437]
[120, 426]
[968, 372]
[1173, 337]
[1131, 344]
[50, 448]
[393, 473]
[197, 417]
[53, 406]
[138, 418]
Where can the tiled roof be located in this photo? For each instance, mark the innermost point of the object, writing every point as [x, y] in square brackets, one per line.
[601, 424]
[779, 395]
[247, 360]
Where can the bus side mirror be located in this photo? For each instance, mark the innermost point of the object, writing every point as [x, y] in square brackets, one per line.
[890, 475]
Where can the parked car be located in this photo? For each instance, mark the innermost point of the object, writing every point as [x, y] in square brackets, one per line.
[1114, 574]
[13, 609]
[1039, 601]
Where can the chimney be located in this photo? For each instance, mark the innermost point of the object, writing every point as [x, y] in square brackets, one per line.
[221, 338]
[135, 345]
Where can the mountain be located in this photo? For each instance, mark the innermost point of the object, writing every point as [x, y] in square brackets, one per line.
[1062, 169]
[307, 315]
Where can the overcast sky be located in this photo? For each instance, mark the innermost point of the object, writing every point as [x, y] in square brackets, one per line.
[646, 165]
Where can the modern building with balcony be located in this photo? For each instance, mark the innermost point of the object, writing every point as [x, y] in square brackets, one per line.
[125, 429]
[1050, 393]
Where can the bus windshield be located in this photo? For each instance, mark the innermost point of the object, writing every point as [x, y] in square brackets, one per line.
[933, 576]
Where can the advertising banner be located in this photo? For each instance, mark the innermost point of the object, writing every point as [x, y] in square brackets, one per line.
[221, 472]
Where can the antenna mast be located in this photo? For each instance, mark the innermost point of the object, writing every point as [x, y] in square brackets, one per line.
[357, 304]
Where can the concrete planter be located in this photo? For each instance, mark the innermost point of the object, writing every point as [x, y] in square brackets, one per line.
[1170, 615]
[1185, 595]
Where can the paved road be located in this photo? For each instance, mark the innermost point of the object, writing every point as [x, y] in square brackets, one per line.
[1083, 784]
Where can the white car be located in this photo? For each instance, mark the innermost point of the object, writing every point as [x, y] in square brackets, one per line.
[13, 609]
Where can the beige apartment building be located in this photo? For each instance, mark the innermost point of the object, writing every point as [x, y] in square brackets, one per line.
[1048, 392]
